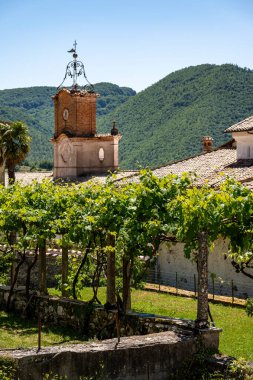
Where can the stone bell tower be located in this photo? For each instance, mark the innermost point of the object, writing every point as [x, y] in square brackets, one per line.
[78, 149]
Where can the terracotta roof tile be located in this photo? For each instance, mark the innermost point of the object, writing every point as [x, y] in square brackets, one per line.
[244, 125]
[211, 167]
[28, 177]
[204, 165]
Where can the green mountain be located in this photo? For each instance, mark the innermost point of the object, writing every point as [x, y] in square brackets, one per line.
[34, 106]
[161, 124]
[166, 121]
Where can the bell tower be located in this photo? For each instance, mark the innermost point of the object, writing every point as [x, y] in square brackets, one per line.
[78, 149]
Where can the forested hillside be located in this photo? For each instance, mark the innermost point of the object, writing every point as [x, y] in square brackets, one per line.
[34, 106]
[166, 121]
[161, 124]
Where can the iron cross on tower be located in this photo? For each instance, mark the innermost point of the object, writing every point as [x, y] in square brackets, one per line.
[75, 65]
[75, 69]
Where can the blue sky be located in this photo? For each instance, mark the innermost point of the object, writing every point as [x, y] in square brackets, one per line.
[131, 43]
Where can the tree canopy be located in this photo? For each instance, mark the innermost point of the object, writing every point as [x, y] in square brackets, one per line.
[167, 121]
[14, 146]
[130, 219]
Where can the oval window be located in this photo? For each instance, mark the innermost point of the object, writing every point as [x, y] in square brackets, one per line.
[65, 114]
[101, 154]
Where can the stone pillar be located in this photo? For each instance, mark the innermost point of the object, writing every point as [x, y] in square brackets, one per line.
[202, 260]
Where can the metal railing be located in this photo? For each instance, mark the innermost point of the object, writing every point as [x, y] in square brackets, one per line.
[188, 281]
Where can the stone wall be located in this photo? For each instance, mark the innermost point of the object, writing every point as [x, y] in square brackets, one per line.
[91, 320]
[153, 357]
[53, 260]
[150, 347]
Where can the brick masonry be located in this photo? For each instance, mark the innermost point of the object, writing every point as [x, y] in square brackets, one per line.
[78, 149]
[80, 119]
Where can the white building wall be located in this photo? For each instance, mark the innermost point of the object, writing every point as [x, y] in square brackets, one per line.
[176, 270]
[244, 145]
[80, 156]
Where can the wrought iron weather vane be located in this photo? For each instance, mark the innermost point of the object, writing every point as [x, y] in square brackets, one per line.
[75, 69]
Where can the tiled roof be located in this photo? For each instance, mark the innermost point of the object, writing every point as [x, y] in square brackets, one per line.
[205, 165]
[27, 177]
[244, 125]
[211, 167]
[121, 175]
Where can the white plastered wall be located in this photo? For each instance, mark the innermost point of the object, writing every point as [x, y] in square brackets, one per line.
[175, 267]
[244, 145]
[79, 156]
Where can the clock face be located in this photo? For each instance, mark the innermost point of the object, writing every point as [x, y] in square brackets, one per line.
[65, 114]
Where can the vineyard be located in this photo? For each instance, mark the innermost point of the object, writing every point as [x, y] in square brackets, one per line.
[115, 224]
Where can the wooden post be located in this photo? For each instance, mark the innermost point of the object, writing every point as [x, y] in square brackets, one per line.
[64, 272]
[117, 325]
[159, 279]
[126, 284]
[42, 267]
[2, 174]
[202, 257]
[232, 288]
[39, 332]
[12, 239]
[129, 299]
[176, 285]
[110, 289]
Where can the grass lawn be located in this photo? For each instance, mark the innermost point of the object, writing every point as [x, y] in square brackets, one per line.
[236, 339]
[16, 332]
[237, 336]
